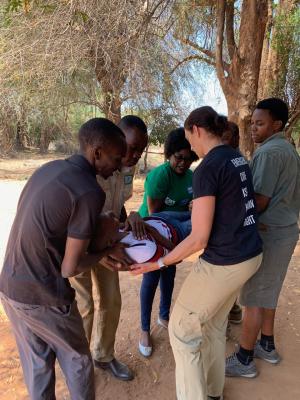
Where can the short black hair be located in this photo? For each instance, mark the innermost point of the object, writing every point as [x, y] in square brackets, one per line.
[177, 141]
[206, 117]
[277, 108]
[233, 128]
[231, 136]
[99, 132]
[133, 121]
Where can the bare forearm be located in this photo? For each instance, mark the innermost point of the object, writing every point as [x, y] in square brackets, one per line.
[85, 264]
[186, 248]
[159, 238]
[154, 205]
[262, 202]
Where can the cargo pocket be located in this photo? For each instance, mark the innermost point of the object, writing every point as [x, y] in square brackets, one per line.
[185, 329]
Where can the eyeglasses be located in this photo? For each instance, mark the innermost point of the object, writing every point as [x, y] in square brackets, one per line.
[180, 157]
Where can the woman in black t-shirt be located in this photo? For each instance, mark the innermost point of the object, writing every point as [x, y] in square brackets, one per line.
[224, 226]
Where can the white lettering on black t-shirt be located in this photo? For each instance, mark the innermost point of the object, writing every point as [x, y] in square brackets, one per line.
[249, 203]
[239, 161]
[243, 176]
[225, 174]
[245, 191]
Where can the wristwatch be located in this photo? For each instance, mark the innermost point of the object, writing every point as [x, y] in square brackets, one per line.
[161, 263]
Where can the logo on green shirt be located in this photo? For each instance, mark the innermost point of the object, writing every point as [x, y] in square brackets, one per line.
[169, 202]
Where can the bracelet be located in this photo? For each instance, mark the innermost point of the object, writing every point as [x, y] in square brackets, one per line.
[161, 263]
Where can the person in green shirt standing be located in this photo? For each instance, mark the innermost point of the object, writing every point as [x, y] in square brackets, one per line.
[169, 192]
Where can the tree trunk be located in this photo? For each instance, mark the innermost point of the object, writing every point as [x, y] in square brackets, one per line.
[146, 158]
[240, 82]
[44, 142]
[111, 82]
[275, 63]
[19, 138]
[112, 106]
[242, 118]
[265, 53]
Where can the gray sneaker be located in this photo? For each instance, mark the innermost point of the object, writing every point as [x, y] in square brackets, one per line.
[235, 368]
[271, 357]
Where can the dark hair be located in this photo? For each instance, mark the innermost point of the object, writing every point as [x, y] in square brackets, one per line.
[231, 136]
[277, 108]
[99, 132]
[176, 141]
[133, 121]
[206, 117]
[233, 128]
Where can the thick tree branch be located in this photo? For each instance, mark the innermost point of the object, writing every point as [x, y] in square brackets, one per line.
[195, 46]
[193, 57]
[210, 59]
[230, 28]
[220, 39]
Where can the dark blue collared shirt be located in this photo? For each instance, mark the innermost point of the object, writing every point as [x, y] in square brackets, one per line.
[61, 199]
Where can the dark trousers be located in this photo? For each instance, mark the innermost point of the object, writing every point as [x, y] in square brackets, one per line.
[148, 288]
[44, 334]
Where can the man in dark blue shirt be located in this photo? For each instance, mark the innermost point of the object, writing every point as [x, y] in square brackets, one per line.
[55, 220]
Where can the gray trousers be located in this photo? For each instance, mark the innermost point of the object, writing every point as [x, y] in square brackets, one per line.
[43, 334]
[264, 287]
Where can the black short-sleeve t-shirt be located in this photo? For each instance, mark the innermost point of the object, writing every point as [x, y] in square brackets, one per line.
[225, 174]
[61, 199]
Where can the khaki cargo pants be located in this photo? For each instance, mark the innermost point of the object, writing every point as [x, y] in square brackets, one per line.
[99, 302]
[198, 323]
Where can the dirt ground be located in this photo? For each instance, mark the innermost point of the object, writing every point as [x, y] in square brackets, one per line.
[154, 376]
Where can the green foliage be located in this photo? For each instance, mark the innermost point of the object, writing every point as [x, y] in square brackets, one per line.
[159, 121]
[78, 114]
[286, 42]
[164, 122]
[296, 134]
[14, 5]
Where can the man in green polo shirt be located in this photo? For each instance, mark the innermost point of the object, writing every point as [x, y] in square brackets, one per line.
[276, 177]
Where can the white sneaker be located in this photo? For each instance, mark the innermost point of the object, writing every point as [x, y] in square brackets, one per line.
[145, 351]
[162, 323]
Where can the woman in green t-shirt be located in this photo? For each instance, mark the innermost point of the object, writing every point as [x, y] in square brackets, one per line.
[168, 188]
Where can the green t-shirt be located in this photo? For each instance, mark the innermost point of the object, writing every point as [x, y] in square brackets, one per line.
[163, 183]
